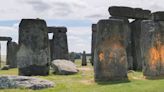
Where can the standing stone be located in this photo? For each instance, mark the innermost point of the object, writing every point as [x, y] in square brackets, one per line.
[0, 56]
[94, 28]
[33, 55]
[110, 52]
[152, 41]
[60, 45]
[84, 59]
[12, 48]
[136, 44]
[51, 48]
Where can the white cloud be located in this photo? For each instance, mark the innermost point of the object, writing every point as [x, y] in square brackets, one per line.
[8, 32]
[53, 9]
[69, 9]
[79, 39]
[154, 5]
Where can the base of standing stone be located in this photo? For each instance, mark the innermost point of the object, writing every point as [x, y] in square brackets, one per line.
[34, 70]
[105, 79]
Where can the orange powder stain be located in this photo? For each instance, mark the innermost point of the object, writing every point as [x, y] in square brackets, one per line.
[111, 55]
[162, 53]
[154, 56]
[101, 56]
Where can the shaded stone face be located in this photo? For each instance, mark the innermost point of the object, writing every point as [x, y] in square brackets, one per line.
[94, 29]
[59, 43]
[84, 59]
[110, 52]
[134, 13]
[152, 41]
[33, 55]
[158, 16]
[136, 44]
[51, 48]
[12, 48]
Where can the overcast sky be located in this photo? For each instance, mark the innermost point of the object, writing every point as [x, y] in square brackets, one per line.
[76, 15]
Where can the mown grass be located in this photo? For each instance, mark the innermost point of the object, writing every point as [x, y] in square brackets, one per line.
[84, 82]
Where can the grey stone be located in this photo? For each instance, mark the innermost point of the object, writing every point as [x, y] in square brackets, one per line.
[10, 82]
[64, 67]
[59, 44]
[94, 31]
[110, 52]
[12, 48]
[6, 67]
[34, 52]
[84, 59]
[158, 16]
[134, 13]
[152, 51]
[136, 44]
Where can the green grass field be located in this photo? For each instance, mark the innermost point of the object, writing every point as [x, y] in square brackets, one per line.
[84, 82]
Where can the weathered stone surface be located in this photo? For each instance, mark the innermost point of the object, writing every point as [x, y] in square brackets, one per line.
[59, 43]
[158, 16]
[136, 44]
[134, 13]
[7, 82]
[12, 48]
[6, 67]
[94, 31]
[84, 59]
[152, 51]
[34, 53]
[64, 67]
[110, 52]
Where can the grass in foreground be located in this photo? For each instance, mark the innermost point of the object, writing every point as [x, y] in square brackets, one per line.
[84, 82]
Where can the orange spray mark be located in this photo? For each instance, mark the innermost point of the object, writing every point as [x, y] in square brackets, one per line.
[154, 56]
[162, 53]
[101, 56]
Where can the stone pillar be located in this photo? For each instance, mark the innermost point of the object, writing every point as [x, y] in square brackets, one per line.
[152, 51]
[60, 45]
[94, 28]
[0, 56]
[84, 59]
[136, 44]
[51, 48]
[110, 52]
[34, 53]
[12, 48]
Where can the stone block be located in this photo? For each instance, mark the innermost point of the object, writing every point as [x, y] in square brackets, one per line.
[110, 52]
[133, 13]
[152, 51]
[34, 51]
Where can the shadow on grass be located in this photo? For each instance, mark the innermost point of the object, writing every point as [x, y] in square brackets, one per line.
[155, 78]
[112, 82]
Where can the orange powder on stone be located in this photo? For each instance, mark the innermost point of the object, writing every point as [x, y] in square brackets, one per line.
[101, 56]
